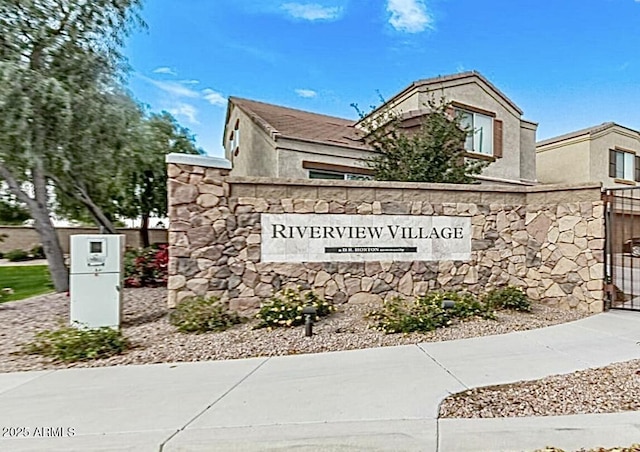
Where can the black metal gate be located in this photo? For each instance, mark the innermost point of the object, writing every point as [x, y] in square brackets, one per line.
[622, 256]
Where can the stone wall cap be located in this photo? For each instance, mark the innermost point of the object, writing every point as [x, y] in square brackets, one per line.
[199, 160]
[372, 184]
[410, 185]
[562, 187]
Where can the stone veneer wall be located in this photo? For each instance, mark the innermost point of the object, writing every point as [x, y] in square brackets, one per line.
[547, 239]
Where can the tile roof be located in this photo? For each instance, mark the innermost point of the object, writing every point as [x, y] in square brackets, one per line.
[578, 133]
[303, 125]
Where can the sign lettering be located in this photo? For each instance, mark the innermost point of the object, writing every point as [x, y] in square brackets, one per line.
[354, 238]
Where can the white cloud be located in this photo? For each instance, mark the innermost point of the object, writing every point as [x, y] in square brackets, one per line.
[176, 93]
[308, 93]
[187, 111]
[312, 11]
[164, 70]
[175, 89]
[409, 16]
[214, 98]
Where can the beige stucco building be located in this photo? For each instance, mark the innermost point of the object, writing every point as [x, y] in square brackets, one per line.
[262, 139]
[608, 153]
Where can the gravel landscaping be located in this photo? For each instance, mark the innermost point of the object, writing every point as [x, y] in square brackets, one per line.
[154, 340]
[610, 389]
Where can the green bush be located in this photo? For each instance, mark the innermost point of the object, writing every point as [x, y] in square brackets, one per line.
[37, 252]
[285, 308]
[426, 313]
[199, 315]
[71, 343]
[509, 297]
[17, 255]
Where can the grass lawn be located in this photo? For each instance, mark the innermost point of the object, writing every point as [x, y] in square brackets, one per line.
[25, 280]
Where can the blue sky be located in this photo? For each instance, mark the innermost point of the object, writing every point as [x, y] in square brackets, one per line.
[567, 64]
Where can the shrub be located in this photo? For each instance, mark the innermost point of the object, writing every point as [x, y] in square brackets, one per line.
[37, 252]
[71, 343]
[426, 313]
[146, 267]
[17, 255]
[510, 297]
[199, 315]
[285, 308]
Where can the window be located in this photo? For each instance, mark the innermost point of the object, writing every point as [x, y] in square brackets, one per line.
[234, 139]
[320, 170]
[317, 174]
[480, 140]
[624, 165]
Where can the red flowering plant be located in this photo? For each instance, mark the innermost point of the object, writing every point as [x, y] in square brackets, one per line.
[146, 267]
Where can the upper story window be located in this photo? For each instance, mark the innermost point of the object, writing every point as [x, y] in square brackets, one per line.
[624, 165]
[480, 138]
[485, 137]
[234, 139]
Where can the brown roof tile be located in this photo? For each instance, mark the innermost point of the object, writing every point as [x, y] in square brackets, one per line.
[303, 125]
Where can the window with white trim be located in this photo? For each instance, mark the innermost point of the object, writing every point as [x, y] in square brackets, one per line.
[480, 138]
[624, 165]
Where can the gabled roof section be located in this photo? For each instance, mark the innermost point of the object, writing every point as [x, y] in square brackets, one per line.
[290, 123]
[588, 131]
[430, 82]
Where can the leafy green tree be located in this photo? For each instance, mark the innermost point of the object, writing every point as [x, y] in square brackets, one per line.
[86, 175]
[127, 178]
[143, 179]
[55, 56]
[11, 212]
[433, 152]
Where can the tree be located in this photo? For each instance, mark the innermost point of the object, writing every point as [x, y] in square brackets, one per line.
[11, 212]
[86, 176]
[434, 152]
[127, 177]
[144, 179]
[53, 53]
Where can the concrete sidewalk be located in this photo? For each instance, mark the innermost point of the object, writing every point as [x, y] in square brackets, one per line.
[374, 399]
[8, 263]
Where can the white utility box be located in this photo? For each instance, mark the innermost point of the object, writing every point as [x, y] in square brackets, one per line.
[95, 288]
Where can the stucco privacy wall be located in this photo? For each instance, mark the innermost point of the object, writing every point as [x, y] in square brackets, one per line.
[25, 238]
[548, 240]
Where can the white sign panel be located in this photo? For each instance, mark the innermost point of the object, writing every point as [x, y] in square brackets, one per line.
[357, 238]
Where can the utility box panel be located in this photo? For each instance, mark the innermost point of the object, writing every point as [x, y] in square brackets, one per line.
[95, 288]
